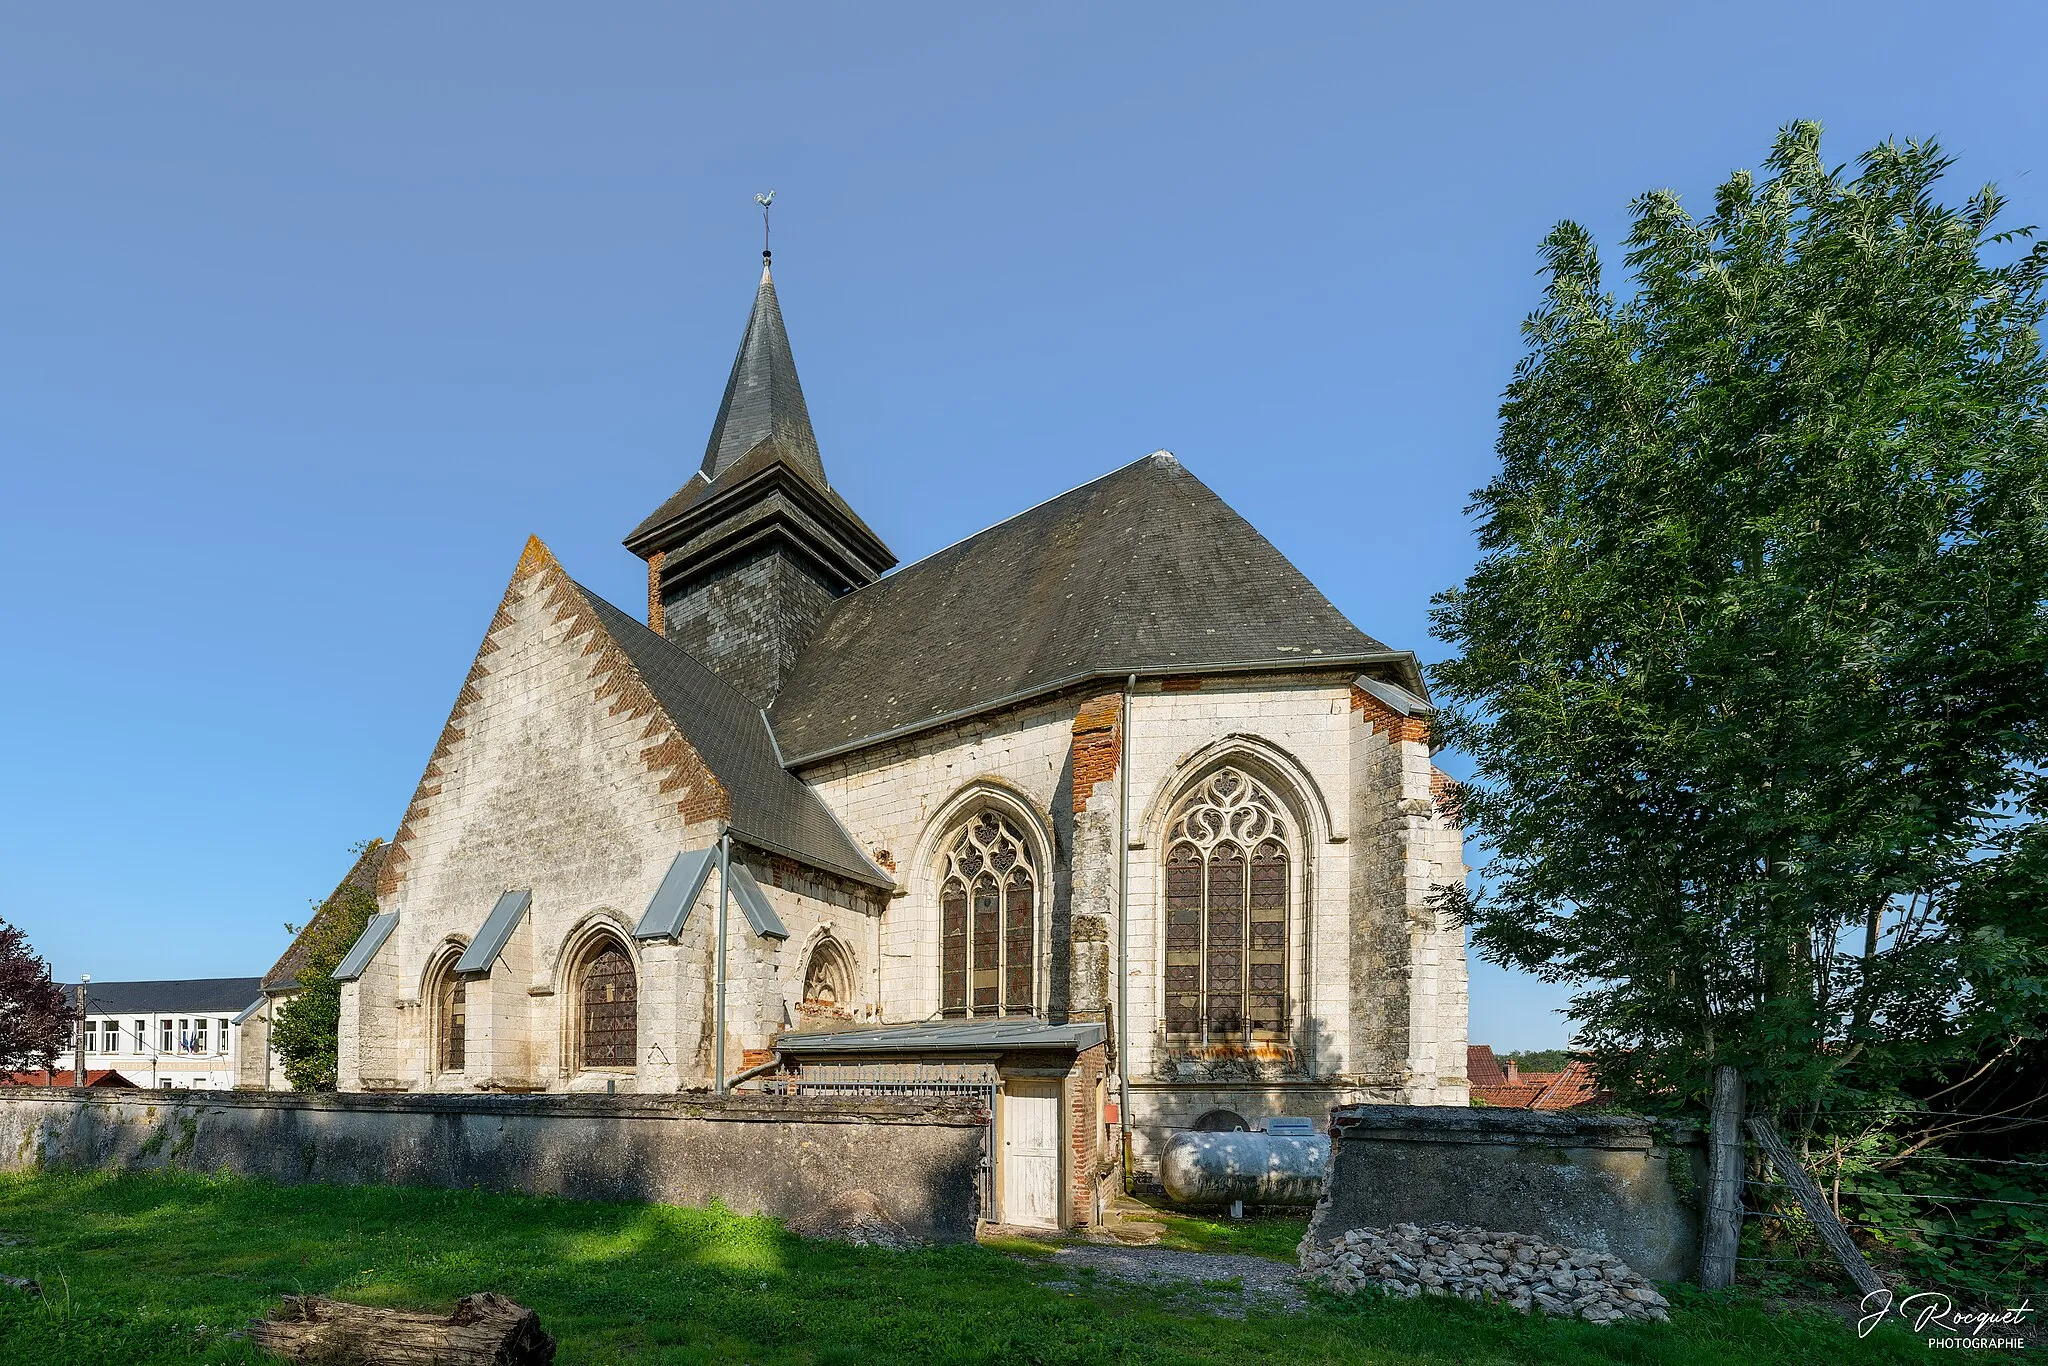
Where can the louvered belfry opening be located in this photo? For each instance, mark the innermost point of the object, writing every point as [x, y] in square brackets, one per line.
[610, 998]
[988, 921]
[1227, 889]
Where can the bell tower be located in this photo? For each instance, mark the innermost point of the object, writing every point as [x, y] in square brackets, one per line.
[744, 558]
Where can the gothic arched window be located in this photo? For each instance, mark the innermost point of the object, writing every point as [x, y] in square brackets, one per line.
[1226, 914]
[609, 1000]
[451, 1020]
[988, 921]
[828, 978]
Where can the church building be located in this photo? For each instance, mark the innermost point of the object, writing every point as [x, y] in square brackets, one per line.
[1104, 808]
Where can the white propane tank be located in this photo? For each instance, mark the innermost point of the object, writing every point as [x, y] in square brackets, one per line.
[1258, 1169]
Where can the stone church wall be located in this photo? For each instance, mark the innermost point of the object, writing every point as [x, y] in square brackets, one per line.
[1376, 981]
[782, 1156]
[545, 787]
[901, 800]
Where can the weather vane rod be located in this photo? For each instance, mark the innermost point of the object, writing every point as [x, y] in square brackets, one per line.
[764, 200]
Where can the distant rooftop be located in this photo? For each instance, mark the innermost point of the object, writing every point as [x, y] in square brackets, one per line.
[145, 998]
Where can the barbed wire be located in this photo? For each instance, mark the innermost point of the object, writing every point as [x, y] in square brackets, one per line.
[1883, 1228]
[1917, 1195]
[1946, 1157]
[2006, 1117]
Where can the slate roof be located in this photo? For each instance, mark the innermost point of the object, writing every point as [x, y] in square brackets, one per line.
[771, 807]
[1145, 571]
[143, 998]
[762, 421]
[284, 973]
[762, 397]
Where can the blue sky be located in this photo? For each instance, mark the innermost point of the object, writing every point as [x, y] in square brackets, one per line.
[308, 319]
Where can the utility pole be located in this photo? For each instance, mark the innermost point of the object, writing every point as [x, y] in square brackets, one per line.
[78, 1034]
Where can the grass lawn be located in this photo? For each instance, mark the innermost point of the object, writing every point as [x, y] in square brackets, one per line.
[162, 1268]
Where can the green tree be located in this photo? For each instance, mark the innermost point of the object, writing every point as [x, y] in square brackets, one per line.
[307, 1030]
[1754, 663]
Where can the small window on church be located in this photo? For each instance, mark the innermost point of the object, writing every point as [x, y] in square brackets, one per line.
[828, 980]
[453, 1009]
[988, 921]
[610, 1010]
[1226, 915]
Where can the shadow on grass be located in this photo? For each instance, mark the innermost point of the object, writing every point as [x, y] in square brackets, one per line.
[160, 1268]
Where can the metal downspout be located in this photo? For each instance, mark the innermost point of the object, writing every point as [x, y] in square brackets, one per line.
[754, 1071]
[718, 977]
[1123, 938]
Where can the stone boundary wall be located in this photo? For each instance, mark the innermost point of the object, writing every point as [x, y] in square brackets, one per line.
[782, 1156]
[1623, 1185]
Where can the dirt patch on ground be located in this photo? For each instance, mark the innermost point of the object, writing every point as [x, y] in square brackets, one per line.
[1222, 1284]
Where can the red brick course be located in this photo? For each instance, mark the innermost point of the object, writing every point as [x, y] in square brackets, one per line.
[1379, 716]
[654, 612]
[1098, 745]
[1085, 1156]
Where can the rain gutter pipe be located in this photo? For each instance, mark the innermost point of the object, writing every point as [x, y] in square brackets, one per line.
[1123, 938]
[718, 1027]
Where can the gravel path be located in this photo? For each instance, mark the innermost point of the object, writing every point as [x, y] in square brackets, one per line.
[1259, 1283]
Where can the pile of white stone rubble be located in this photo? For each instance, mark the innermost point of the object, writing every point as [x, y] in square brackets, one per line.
[1513, 1268]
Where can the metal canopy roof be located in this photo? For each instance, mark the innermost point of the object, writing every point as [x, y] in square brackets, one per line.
[946, 1036]
[668, 911]
[497, 930]
[372, 939]
[754, 902]
[1397, 698]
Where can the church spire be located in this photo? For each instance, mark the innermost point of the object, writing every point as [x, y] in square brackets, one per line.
[763, 400]
[744, 558]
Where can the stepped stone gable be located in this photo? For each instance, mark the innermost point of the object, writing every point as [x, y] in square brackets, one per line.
[1114, 766]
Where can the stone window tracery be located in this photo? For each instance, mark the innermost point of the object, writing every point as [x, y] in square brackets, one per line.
[828, 979]
[1227, 893]
[988, 921]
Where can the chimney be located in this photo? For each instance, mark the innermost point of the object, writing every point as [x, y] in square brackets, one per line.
[1514, 1072]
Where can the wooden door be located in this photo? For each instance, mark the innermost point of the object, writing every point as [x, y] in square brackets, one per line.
[1031, 1154]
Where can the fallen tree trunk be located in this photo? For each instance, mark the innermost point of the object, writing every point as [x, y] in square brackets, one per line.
[488, 1330]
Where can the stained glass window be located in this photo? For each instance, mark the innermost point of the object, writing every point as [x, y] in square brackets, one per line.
[1227, 890]
[610, 1010]
[988, 921]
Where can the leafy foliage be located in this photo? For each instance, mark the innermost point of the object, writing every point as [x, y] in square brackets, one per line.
[307, 1030]
[1540, 1059]
[1934, 1216]
[35, 1021]
[1755, 661]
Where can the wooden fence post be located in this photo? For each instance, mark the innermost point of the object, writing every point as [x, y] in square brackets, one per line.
[1722, 1234]
[1816, 1206]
